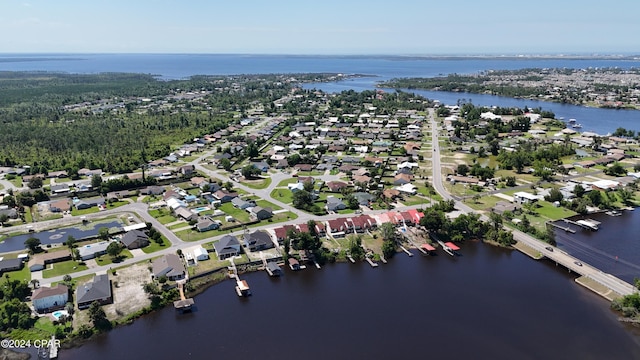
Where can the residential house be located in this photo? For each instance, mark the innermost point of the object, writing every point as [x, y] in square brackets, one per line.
[261, 213]
[135, 239]
[261, 165]
[10, 212]
[199, 181]
[336, 186]
[39, 261]
[295, 186]
[227, 247]
[362, 223]
[338, 227]
[57, 174]
[45, 299]
[242, 204]
[89, 203]
[205, 223]
[91, 251]
[303, 167]
[200, 253]
[390, 193]
[187, 169]
[281, 234]
[60, 189]
[186, 214]
[335, 204]
[224, 196]
[364, 198]
[258, 240]
[522, 197]
[97, 290]
[152, 190]
[402, 179]
[407, 188]
[169, 265]
[7, 265]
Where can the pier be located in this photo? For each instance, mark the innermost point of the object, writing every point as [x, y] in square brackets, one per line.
[566, 229]
[183, 304]
[371, 262]
[449, 247]
[588, 224]
[405, 250]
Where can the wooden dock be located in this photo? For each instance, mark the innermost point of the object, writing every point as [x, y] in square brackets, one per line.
[567, 229]
[406, 251]
[371, 262]
[183, 304]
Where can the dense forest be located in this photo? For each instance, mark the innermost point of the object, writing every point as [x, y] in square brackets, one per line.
[59, 121]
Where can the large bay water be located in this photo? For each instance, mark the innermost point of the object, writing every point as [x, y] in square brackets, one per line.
[486, 304]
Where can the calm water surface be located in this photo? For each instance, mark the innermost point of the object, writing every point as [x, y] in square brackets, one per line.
[488, 303]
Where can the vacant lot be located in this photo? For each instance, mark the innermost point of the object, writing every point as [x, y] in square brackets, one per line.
[128, 296]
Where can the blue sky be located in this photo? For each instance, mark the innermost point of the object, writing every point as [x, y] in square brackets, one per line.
[320, 27]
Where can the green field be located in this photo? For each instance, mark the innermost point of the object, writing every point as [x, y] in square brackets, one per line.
[107, 260]
[23, 274]
[194, 235]
[63, 268]
[238, 214]
[154, 246]
[286, 182]
[259, 184]
[265, 203]
[282, 195]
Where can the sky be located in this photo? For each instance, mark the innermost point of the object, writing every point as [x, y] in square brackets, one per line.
[341, 27]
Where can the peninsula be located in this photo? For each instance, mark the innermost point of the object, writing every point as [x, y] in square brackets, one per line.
[598, 87]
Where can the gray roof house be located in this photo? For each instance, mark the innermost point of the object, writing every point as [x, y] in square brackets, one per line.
[135, 239]
[97, 290]
[261, 213]
[205, 223]
[169, 265]
[227, 247]
[92, 250]
[258, 240]
[335, 204]
[10, 265]
[89, 203]
[242, 204]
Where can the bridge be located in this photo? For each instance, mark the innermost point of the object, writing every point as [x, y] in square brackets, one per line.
[559, 257]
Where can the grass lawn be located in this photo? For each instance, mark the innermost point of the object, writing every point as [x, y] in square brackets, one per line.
[91, 210]
[283, 195]
[42, 329]
[17, 182]
[551, 212]
[178, 225]
[277, 218]
[28, 217]
[415, 200]
[346, 211]
[165, 219]
[23, 274]
[257, 184]
[310, 173]
[106, 259]
[286, 182]
[484, 203]
[116, 204]
[194, 235]
[265, 203]
[63, 268]
[238, 214]
[154, 246]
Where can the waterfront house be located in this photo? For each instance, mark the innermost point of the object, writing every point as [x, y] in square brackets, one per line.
[227, 247]
[97, 290]
[45, 299]
[89, 203]
[61, 205]
[362, 223]
[338, 227]
[169, 265]
[39, 261]
[258, 240]
[135, 239]
[91, 251]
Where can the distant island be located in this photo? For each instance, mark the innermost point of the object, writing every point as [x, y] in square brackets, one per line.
[597, 87]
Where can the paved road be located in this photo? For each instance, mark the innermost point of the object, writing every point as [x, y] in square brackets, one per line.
[554, 254]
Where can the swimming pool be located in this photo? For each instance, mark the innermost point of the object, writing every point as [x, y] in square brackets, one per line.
[201, 209]
[59, 313]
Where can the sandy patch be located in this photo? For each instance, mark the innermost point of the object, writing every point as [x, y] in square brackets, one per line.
[128, 295]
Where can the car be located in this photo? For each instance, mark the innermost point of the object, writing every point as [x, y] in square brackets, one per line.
[577, 263]
[549, 248]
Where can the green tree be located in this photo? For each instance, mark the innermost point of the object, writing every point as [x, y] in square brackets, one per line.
[96, 182]
[308, 185]
[114, 249]
[3, 219]
[302, 199]
[98, 317]
[71, 241]
[225, 164]
[355, 248]
[103, 233]
[554, 195]
[250, 171]
[388, 248]
[388, 231]
[578, 191]
[462, 170]
[33, 244]
[35, 183]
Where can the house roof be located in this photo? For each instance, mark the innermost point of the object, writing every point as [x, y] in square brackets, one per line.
[338, 224]
[93, 248]
[44, 292]
[131, 236]
[227, 244]
[47, 257]
[171, 262]
[97, 289]
[336, 185]
[258, 238]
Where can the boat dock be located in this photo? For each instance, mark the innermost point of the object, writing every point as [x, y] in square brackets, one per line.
[242, 288]
[588, 224]
[427, 249]
[449, 247]
[272, 268]
[53, 347]
[406, 251]
[183, 304]
[371, 262]
[566, 229]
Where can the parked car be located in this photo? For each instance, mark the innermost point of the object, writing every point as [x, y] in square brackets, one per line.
[549, 248]
[577, 263]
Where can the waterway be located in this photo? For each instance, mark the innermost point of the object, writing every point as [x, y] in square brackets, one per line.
[614, 248]
[487, 303]
[55, 236]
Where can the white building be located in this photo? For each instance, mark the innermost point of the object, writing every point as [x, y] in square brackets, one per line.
[50, 298]
[525, 197]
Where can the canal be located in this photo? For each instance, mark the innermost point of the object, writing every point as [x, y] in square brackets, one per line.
[487, 303]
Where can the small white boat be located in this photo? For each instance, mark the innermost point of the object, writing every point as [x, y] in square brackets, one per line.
[571, 121]
[577, 126]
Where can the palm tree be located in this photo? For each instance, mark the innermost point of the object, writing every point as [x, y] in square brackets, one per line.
[35, 283]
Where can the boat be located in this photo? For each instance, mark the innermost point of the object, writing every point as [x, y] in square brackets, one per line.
[576, 126]
[613, 213]
[572, 121]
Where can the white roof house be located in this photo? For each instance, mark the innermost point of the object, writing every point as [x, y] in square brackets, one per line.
[200, 253]
[92, 250]
[174, 203]
[523, 197]
[407, 188]
[605, 184]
